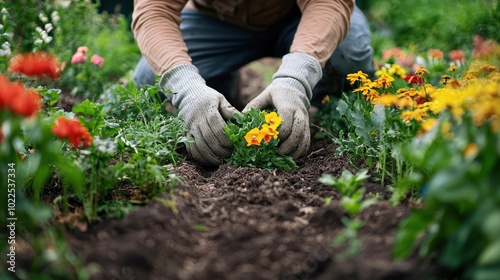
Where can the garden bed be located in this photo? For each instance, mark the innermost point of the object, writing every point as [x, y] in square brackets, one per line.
[248, 223]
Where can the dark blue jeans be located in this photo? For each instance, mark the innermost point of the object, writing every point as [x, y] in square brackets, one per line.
[219, 50]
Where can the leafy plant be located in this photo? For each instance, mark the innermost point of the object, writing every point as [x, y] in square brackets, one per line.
[254, 136]
[348, 184]
[459, 217]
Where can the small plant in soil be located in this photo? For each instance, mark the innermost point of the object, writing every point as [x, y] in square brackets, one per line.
[255, 138]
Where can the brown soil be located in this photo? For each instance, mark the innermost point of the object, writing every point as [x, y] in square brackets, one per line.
[248, 223]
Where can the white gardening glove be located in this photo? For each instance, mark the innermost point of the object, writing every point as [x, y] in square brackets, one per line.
[290, 92]
[203, 110]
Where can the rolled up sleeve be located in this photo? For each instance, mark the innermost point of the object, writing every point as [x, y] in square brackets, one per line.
[323, 25]
[155, 24]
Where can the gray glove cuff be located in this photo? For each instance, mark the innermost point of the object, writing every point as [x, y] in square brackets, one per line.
[181, 80]
[302, 67]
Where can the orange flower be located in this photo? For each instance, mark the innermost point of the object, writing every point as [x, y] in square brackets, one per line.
[73, 130]
[435, 53]
[253, 137]
[37, 64]
[457, 56]
[22, 101]
[268, 132]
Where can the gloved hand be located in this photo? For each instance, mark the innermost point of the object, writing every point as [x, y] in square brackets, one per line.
[290, 92]
[203, 110]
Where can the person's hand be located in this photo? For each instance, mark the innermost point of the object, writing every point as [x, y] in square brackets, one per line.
[203, 110]
[289, 93]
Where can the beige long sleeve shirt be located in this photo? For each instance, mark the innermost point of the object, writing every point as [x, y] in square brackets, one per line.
[155, 23]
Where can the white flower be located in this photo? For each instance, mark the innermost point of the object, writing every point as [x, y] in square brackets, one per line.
[4, 12]
[48, 27]
[48, 39]
[63, 3]
[43, 17]
[39, 29]
[55, 17]
[1, 26]
[38, 42]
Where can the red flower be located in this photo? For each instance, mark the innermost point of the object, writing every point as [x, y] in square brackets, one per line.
[27, 103]
[414, 79]
[22, 101]
[73, 130]
[35, 64]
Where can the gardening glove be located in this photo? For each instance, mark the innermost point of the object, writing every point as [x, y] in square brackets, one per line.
[290, 92]
[203, 110]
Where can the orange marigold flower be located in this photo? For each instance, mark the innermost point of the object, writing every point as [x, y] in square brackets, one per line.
[457, 56]
[37, 64]
[253, 137]
[435, 53]
[73, 130]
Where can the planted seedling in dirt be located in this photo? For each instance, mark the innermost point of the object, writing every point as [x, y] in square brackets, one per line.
[254, 136]
[353, 202]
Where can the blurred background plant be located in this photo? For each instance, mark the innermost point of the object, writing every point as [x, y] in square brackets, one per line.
[421, 25]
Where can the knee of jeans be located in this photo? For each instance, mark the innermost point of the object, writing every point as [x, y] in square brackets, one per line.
[143, 74]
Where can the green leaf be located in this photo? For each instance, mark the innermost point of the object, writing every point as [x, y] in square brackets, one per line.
[409, 230]
[490, 255]
[378, 117]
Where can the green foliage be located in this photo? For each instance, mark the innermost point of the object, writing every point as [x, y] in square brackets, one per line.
[353, 199]
[462, 204]
[349, 236]
[262, 154]
[445, 25]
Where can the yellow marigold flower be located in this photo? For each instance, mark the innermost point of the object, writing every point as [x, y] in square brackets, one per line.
[452, 68]
[253, 137]
[417, 114]
[471, 150]
[325, 99]
[405, 102]
[421, 70]
[427, 125]
[267, 132]
[386, 99]
[397, 70]
[273, 119]
[359, 76]
[384, 81]
[382, 71]
[369, 93]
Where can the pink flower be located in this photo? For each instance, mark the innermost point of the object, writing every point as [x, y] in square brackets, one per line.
[97, 60]
[78, 57]
[83, 49]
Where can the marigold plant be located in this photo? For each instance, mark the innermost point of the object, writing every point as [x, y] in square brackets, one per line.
[254, 136]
